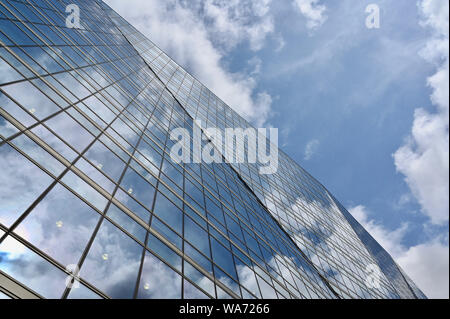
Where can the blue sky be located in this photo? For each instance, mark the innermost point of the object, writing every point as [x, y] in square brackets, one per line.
[365, 111]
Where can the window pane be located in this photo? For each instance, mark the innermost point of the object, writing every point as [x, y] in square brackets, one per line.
[60, 225]
[168, 212]
[125, 221]
[158, 281]
[84, 190]
[191, 292]
[82, 292]
[21, 183]
[31, 270]
[113, 262]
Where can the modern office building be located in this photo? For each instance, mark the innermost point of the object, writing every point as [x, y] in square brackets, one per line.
[93, 206]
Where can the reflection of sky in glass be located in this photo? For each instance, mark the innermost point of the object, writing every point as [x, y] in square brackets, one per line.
[6, 128]
[112, 263]
[103, 158]
[60, 225]
[82, 292]
[122, 219]
[168, 212]
[158, 281]
[3, 296]
[70, 131]
[39, 155]
[191, 292]
[21, 182]
[54, 142]
[84, 190]
[31, 270]
[32, 100]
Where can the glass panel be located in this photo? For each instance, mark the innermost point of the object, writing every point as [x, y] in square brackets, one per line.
[60, 225]
[54, 142]
[105, 160]
[82, 292]
[223, 258]
[163, 251]
[113, 262]
[158, 281]
[21, 183]
[38, 154]
[94, 174]
[84, 190]
[6, 128]
[126, 222]
[266, 290]
[198, 278]
[168, 212]
[196, 235]
[33, 101]
[31, 270]
[138, 188]
[70, 131]
[191, 292]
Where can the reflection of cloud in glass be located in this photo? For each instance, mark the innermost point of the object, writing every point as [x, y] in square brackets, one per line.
[158, 281]
[60, 226]
[191, 292]
[7, 74]
[6, 128]
[21, 182]
[117, 274]
[38, 154]
[70, 131]
[82, 292]
[14, 110]
[33, 99]
[30, 269]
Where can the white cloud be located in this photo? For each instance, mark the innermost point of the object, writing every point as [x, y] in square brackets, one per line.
[187, 34]
[256, 64]
[311, 149]
[390, 240]
[427, 264]
[281, 43]
[234, 21]
[312, 11]
[424, 159]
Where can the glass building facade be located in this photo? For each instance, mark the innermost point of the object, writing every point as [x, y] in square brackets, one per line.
[92, 206]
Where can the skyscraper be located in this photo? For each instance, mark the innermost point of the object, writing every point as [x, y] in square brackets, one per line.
[93, 206]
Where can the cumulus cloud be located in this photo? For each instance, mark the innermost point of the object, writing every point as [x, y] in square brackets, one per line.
[424, 159]
[312, 11]
[238, 20]
[311, 149]
[390, 240]
[199, 34]
[427, 264]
